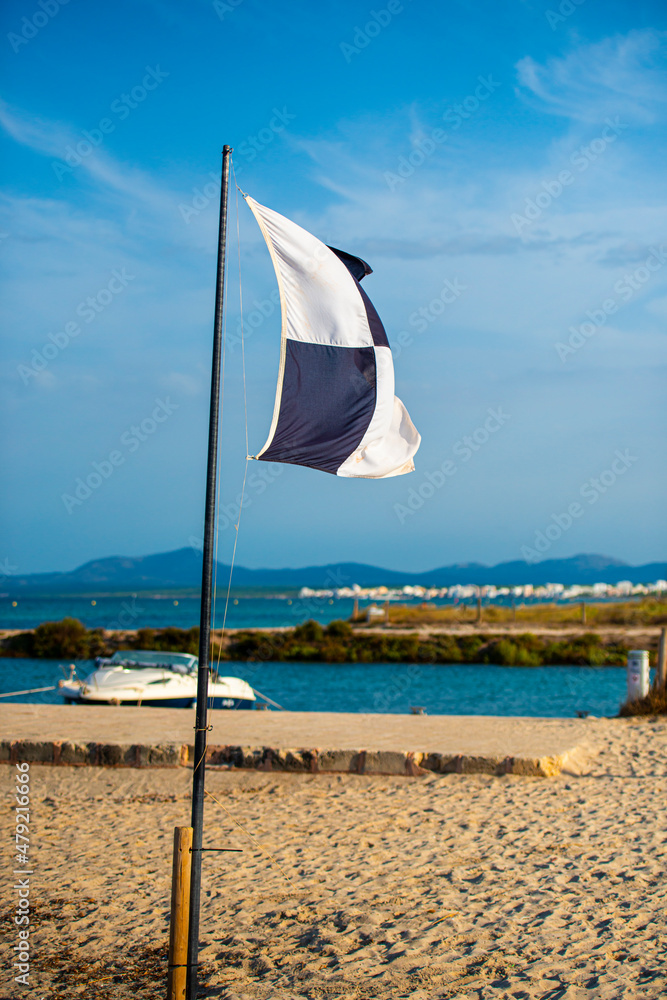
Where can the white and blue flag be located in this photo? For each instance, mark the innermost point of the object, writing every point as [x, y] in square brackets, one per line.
[335, 406]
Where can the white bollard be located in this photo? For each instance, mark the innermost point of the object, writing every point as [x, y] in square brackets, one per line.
[638, 674]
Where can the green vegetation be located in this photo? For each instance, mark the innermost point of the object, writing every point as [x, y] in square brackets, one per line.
[168, 640]
[337, 642]
[70, 640]
[648, 611]
[67, 639]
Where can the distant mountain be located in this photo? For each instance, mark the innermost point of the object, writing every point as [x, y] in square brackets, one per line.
[182, 569]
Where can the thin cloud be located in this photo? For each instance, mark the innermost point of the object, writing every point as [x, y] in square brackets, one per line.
[621, 75]
[119, 184]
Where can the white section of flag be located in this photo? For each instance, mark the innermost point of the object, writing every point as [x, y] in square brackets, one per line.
[391, 441]
[321, 304]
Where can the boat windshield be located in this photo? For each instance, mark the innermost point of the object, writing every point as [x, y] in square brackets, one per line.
[180, 662]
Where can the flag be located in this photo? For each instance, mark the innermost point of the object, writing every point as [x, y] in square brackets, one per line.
[335, 407]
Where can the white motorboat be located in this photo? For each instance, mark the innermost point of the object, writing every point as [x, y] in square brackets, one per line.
[149, 677]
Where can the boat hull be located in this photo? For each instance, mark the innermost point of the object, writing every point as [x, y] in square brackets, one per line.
[117, 683]
[220, 703]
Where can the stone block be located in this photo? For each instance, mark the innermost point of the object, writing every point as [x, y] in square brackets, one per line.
[33, 751]
[338, 760]
[73, 753]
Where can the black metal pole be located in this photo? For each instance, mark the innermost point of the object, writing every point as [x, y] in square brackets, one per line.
[205, 615]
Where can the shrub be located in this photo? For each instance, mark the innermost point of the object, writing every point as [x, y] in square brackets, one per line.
[470, 646]
[334, 653]
[21, 645]
[178, 640]
[144, 639]
[449, 651]
[511, 654]
[311, 631]
[339, 629]
[166, 640]
[97, 643]
[67, 639]
[655, 703]
[302, 651]
[428, 652]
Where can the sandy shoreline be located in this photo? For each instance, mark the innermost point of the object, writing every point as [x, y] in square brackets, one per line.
[464, 886]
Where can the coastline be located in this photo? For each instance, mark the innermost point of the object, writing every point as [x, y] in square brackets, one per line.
[507, 644]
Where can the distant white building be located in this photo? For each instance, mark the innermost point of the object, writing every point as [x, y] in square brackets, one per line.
[458, 591]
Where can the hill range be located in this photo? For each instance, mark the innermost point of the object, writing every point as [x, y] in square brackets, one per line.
[181, 570]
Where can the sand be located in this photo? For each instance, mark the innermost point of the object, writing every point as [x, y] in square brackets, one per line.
[357, 886]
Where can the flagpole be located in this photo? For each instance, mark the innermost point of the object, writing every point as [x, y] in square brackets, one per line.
[205, 614]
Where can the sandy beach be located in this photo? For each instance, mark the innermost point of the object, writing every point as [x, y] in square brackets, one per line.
[357, 886]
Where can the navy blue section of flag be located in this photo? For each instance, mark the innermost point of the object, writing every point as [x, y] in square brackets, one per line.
[327, 403]
[335, 407]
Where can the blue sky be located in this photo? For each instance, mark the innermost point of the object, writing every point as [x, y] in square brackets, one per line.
[500, 165]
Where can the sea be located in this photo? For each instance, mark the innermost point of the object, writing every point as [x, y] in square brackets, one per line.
[158, 612]
[456, 689]
[395, 688]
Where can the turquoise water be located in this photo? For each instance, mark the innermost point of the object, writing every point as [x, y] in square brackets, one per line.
[471, 689]
[159, 612]
[183, 612]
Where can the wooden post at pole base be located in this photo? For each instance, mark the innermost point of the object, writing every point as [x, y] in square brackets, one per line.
[180, 913]
[661, 672]
[583, 612]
